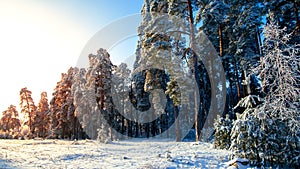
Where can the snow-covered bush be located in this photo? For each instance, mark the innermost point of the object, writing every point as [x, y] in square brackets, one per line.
[264, 140]
[223, 128]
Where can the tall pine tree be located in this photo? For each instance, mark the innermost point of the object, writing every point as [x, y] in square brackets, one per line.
[28, 109]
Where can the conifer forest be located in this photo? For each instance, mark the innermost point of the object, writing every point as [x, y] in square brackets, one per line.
[225, 72]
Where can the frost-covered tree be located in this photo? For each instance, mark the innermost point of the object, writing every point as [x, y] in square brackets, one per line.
[152, 53]
[99, 77]
[280, 74]
[120, 86]
[286, 14]
[42, 117]
[223, 128]
[10, 120]
[268, 134]
[83, 105]
[212, 14]
[280, 79]
[62, 108]
[28, 109]
[242, 29]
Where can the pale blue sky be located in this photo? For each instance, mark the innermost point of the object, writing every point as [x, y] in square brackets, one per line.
[94, 14]
[42, 38]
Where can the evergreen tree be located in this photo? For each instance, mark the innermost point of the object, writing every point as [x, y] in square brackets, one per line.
[99, 77]
[286, 14]
[243, 30]
[223, 127]
[120, 86]
[152, 52]
[212, 15]
[162, 41]
[42, 117]
[10, 122]
[28, 109]
[82, 106]
[62, 108]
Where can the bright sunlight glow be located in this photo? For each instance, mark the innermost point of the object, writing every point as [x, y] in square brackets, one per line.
[36, 44]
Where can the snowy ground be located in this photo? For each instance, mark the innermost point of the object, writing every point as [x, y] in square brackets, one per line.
[136, 153]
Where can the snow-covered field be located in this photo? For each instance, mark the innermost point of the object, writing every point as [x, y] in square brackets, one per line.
[135, 153]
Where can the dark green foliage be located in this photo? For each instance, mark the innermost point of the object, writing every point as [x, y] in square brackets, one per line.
[223, 127]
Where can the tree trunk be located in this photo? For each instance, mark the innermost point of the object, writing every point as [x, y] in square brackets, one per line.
[296, 17]
[260, 42]
[177, 127]
[123, 111]
[130, 124]
[195, 67]
[153, 125]
[257, 42]
[221, 40]
[74, 129]
[237, 82]
[147, 130]
[136, 125]
[244, 76]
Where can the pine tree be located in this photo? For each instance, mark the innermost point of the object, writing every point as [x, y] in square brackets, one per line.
[162, 41]
[223, 127]
[173, 91]
[28, 109]
[152, 52]
[10, 122]
[62, 108]
[99, 77]
[82, 105]
[212, 14]
[42, 116]
[120, 86]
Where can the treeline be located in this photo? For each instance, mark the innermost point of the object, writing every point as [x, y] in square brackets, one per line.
[41, 120]
[86, 103]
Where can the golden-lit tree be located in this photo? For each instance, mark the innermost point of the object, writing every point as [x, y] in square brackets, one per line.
[10, 119]
[62, 108]
[42, 116]
[27, 108]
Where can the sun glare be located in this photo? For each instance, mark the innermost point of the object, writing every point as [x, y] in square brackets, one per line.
[37, 44]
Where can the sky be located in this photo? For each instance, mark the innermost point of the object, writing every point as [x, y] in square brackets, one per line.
[40, 39]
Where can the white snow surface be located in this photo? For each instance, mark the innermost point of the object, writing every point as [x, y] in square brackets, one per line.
[134, 153]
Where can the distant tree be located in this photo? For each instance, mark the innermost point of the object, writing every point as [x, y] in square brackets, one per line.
[120, 86]
[28, 109]
[42, 118]
[10, 119]
[242, 45]
[213, 14]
